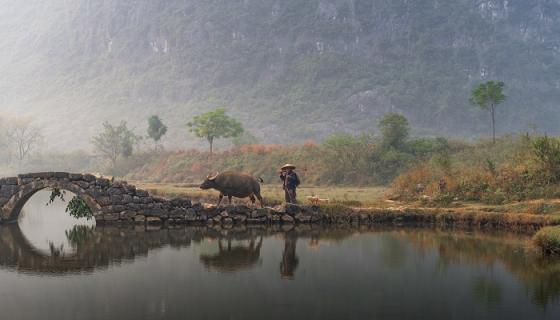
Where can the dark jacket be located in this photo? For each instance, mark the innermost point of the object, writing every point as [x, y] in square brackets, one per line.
[290, 179]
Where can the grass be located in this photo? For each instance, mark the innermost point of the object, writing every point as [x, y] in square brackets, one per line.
[548, 240]
[273, 194]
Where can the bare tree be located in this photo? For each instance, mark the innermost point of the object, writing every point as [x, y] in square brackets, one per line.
[23, 135]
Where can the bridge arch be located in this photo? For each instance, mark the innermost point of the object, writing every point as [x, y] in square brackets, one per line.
[11, 210]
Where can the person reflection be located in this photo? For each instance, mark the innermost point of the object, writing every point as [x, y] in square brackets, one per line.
[233, 258]
[290, 260]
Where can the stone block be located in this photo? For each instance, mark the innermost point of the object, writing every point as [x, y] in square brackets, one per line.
[227, 220]
[9, 181]
[239, 218]
[61, 175]
[287, 218]
[89, 177]
[126, 198]
[104, 201]
[258, 213]
[116, 199]
[75, 176]
[114, 191]
[302, 218]
[142, 193]
[6, 191]
[153, 220]
[111, 216]
[139, 218]
[82, 184]
[181, 202]
[127, 215]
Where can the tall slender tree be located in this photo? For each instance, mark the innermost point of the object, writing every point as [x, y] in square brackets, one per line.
[488, 95]
[156, 129]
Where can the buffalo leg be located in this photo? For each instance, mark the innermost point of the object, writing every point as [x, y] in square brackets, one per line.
[252, 197]
[229, 198]
[221, 197]
[260, 199]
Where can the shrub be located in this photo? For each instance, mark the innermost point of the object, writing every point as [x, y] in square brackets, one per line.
[548, 240]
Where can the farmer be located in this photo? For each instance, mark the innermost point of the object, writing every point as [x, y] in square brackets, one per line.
[290, 181]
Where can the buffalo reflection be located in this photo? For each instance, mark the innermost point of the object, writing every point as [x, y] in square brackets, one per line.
[233, 258]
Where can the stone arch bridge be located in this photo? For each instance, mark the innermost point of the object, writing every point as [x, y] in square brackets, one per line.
[108, 200]
[118, 201]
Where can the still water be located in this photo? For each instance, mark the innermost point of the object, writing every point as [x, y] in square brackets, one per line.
[80, 271]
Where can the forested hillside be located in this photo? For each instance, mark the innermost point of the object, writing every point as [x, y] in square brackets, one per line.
[290, 70]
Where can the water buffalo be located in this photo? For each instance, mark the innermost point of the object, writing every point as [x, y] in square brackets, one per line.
[234, 184]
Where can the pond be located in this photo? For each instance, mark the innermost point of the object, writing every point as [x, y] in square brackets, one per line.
[51, 268]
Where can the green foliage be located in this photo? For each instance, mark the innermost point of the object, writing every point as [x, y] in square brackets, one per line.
[78, 208]
[79, 234]
[156, 128]
[215, 124]
[547, 153]
[488, 95]
[115, 141]
[394, 129]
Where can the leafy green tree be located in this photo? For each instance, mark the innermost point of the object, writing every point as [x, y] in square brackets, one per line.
[488, 95]
[115, 141]
[394, 129]
[215, 124]
[156, 129]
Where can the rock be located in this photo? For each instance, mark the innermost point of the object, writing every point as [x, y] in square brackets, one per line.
[178, 213]
[217, 219]
[60, 175]
[292, 209]
[3, 201]
[9, 181]
[75, 176]
[116, 199]
[239, 218]
[113, 209]
[114, 191]
[127, 215]
[142, 193]
[153, 220]
[191, 215]
[104, 201]
[181, 202]
[139, 218]
[364, 218]
[82, 184]
[241, 209]
[287, 218]
[111, 216]
[302, 218]
[126, 198]
[224, 214]
[276, 218]
[6, 191]
[89, 177]
[102, 182]
[258, 213]
[228, 220]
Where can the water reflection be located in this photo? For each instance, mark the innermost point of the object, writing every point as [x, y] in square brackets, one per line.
[46, 226]
[484, 269]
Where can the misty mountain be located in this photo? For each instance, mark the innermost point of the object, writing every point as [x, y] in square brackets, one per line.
[290, 70]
